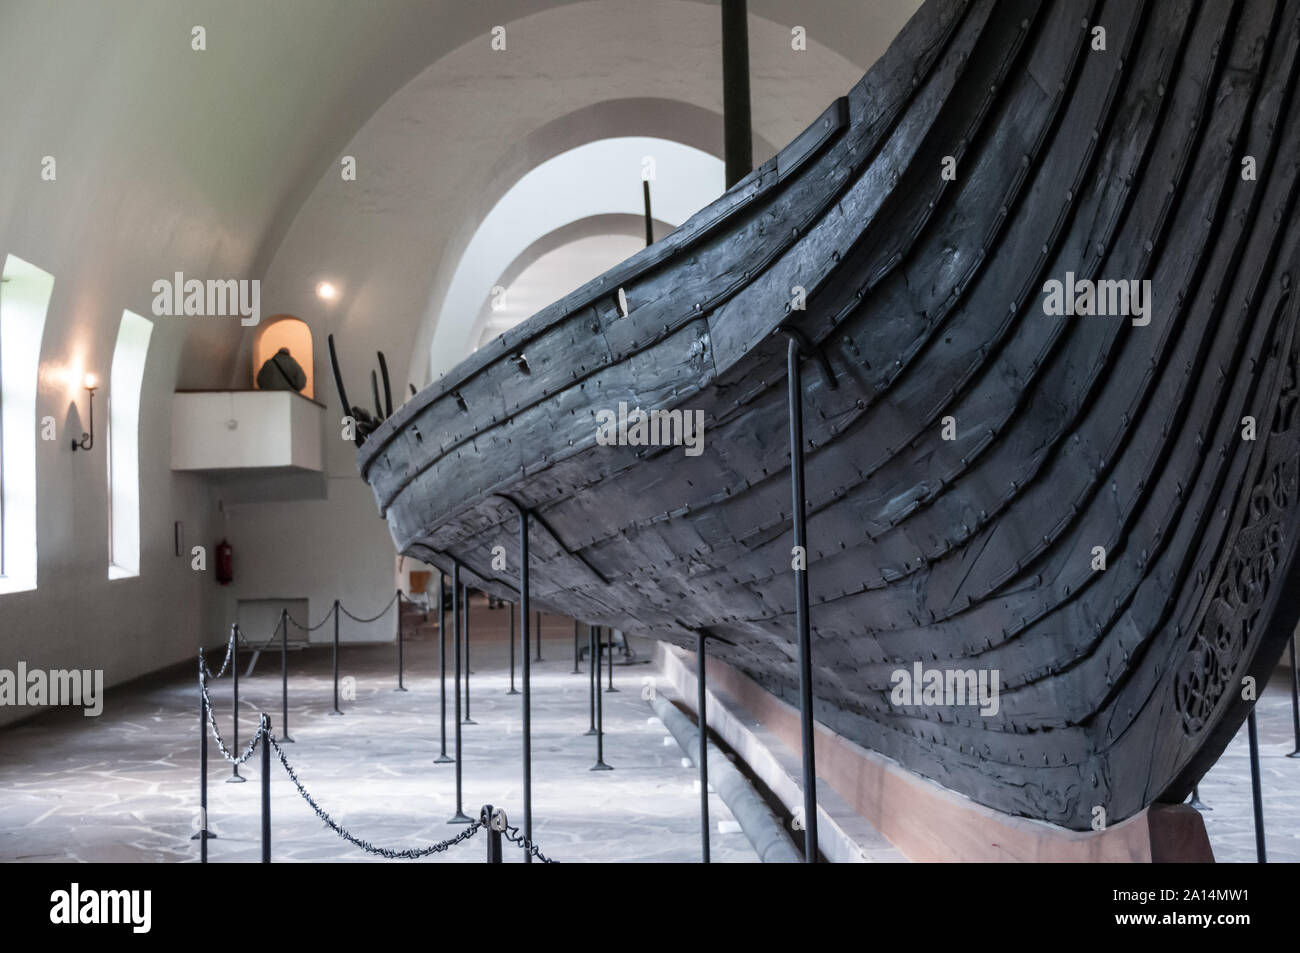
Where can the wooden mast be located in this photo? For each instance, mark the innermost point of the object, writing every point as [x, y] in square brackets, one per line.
[737, 134]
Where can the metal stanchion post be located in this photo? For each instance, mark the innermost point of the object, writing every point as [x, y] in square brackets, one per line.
[459, 817]
[265, 729]
[284, 673]
[203, 835]
[336, 659]
[539, 636]
[576, 669]
[703, 719]
[600, 764]
[609, 663]
[468, 719]
[795, 407]
[1196, 801]
[1256, 794]
[442, 675]
[234, 672]
[486, 817]
[1295, 698]
[593, 671]
[526, 703]
[513, 690]
[401, 633]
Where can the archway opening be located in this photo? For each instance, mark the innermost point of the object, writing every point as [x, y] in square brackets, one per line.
[284, 330]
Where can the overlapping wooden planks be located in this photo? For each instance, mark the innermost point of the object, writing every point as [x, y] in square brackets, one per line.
[1118, 687]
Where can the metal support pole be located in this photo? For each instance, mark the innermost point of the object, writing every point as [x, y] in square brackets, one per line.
[203, 835]
[511, 640]
[609, 665]
[1196, 801]
[539, 636]
[442, 674]
[234, 672]
[485, 817]
[264, 728]
[593, 672]
[1295, 698]
[459, 817]
[600, 764]
[649, 219]
[703, 719]
[284, 673]
[738, 142]
[468, 719]
[1256, 794]
[795, 385]
[527, 700]
[336, 659]
[401, 633]
[576, 669]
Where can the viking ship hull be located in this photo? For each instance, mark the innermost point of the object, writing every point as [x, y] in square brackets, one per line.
[1096, 509]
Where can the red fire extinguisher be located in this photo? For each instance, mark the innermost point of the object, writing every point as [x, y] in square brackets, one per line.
[225, 563]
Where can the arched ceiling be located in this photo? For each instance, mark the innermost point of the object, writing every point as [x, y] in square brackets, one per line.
[218, 163]
[434, 159]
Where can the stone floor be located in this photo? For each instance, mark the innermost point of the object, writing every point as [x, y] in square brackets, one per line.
[1225, 789]
[124, 787]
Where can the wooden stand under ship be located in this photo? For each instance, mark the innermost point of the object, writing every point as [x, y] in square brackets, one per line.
[968, 456]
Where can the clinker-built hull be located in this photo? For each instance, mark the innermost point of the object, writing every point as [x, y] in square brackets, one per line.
[1096, 512]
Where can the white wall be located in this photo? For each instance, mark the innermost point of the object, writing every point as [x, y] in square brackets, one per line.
[224, 164]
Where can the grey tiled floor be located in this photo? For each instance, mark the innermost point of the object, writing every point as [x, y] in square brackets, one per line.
[123, 787]
[1226, 787]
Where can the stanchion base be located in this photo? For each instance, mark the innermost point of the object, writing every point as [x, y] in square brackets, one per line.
[600, 766]
[443, 759]
[514, 691]
[459, 818]
[469, 721]
[400, 688]
[608, 690]
[1294, 754]
[286, 740]
[205, 835]
[336, 713]
[590, 732]
[235, 779]
[1199, 805]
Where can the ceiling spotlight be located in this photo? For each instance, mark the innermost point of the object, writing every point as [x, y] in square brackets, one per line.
[326, 291]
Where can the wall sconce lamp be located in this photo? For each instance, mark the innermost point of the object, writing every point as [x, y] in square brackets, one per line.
[87, 440]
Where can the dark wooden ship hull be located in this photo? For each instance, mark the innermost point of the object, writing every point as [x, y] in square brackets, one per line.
[1118, 687]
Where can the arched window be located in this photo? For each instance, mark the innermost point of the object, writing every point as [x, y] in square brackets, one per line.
[284, 330]
[24, 299]
[124, 385]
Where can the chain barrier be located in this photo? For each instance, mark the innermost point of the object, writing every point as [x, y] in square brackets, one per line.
[382, 612]
[230, 652]
[212, 721]
[311, 628]
[410, 853]
[511, 833]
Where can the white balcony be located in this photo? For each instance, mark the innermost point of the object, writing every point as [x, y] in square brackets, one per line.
[243, 430]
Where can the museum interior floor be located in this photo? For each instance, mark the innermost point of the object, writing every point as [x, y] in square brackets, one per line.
[124, 786]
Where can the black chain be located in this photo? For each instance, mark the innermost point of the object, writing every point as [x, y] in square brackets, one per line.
[410, 853]
[312, 628]
[212, 721]
[523, 843]
[382, 612]
[230, 651]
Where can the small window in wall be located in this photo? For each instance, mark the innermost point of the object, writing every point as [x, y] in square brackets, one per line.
[285, 331]
[124, 386]
[24, 299]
